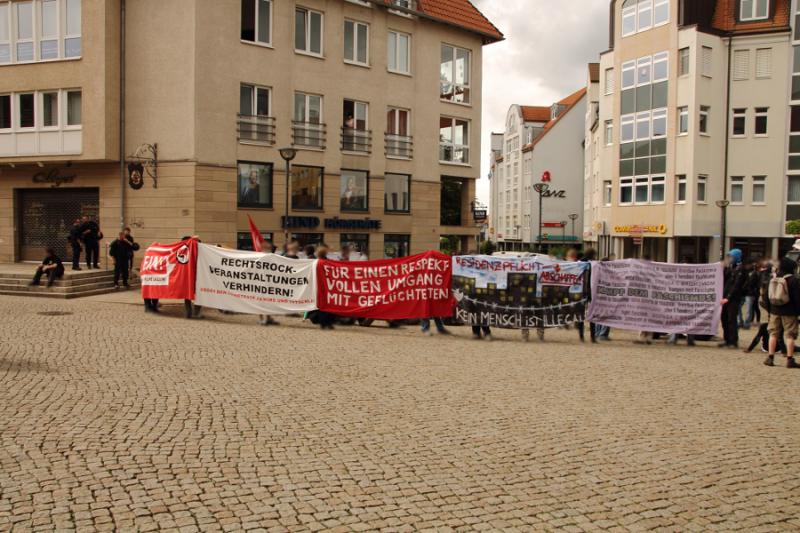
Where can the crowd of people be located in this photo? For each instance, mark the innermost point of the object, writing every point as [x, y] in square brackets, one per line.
[84, 237]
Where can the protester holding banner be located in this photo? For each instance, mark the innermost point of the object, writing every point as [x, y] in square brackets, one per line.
[168, 271]
[733, 292]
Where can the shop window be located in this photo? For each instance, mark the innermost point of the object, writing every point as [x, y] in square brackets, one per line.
[357, 242]
[354, 190]
[244, 241]
[255, 184]
[451, 200]
[395, 246]
[306, 187]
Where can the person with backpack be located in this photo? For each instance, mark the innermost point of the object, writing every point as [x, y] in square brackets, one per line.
[783, 299]
[733, 293]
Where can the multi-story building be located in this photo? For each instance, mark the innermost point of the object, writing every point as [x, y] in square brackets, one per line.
[539, 141]
[692, 118]
[386, 133]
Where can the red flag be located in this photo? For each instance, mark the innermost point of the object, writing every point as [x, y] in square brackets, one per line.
[258, 239]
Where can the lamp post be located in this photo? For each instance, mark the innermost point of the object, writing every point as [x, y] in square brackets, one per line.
[573, 217]
[287, 154]
[540, 188]
[563, 232]
[723, 205]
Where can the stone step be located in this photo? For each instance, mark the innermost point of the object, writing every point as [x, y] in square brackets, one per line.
[68, 274]
[48, 293]
[60, 289]
[104, 280]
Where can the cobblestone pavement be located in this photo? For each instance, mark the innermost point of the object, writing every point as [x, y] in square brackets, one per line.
[111, 419]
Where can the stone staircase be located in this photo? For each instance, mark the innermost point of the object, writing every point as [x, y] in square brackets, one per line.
[15, 281]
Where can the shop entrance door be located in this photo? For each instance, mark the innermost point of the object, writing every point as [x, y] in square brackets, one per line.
[46, 216]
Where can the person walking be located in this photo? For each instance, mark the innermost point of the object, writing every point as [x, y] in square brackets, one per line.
[732, 293]
[750, 290]
[426, 326]
[51, 266]
[75, 243]
[588, 256]
[120, 251]
[486, 332]
[91, 235]
[783, 297]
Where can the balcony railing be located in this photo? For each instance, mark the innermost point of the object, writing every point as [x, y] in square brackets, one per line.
[256, 129]
[400, 146]
[354, 140]
[308, 134]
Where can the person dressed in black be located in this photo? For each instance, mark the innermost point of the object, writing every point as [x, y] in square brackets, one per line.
[51, 266]
[75, 243]
[732, 294]
[134, 246]
[121, 251]
[589, 256]
[90, 235]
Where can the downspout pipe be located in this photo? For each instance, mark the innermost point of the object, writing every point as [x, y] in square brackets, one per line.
[723, 233]
[122, 169]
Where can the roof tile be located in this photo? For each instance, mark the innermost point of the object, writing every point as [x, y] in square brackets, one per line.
[460, 13]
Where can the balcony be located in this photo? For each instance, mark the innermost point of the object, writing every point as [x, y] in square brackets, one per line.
[309, 134]
[255, 129]
[399, 146]
[354, 140]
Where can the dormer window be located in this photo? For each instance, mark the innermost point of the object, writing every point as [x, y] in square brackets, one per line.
[753, 10]
[556, 110]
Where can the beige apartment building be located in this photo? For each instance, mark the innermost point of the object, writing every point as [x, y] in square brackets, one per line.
[381, 100]
[686, 131]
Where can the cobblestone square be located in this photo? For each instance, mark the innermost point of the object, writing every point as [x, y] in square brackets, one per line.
[111, 419]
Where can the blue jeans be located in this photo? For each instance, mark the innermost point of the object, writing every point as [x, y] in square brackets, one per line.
[601, 331]
[747, 311]
[426, 324]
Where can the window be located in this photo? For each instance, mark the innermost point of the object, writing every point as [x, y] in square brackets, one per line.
[702, 125]
[399, 52]
[793, 198]
[5, 111]
[609, 132]
[657, 186]
[451, 201]
[48, 30]
[397, 193]
[255, 184]
[741, 64]
[640, 192]
[628, 75]
[753, 9]
[683, 120]
[257, 21]
[356, 42]
[453, 140]
[27, 117]
[74, 110]
[763, 63]
[244, 241]
[398, 138]
[737, 190]
[395, 246]
[761, 117]
[357, 242]
[701, 188]
[355, 130]
[659, 123]
[308, 31]
[609, 81]
[759, 190]
[660, 12]
[72, 38]
[455, 74]
[629, 18]
[5, 46]
[796, 72]
[40, 30]
[49, 107]
[254, 112]
[354, 190]
[644, 70]
[680, 191]
[306, 187]
[739, 122]
[24, 30]
[645, 12]
[626, 129]
[643, 126]
[607, 192]
[684, 65]
[307, 128]
[660, 66]
[626, 191]
[707, 57]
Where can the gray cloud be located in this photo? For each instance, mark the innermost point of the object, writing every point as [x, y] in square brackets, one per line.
[543, 59]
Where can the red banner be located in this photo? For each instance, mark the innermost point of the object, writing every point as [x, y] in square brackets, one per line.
[168, 271]
[388, 289]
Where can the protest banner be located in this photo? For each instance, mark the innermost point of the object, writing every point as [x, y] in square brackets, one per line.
[168, 270]
[387, 289]
[518, 292]
[254, 282]
[657, 297]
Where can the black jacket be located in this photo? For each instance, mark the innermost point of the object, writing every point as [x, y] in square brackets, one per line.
[120, 250]
[733, 288]
[90, 231]
[790, 309]
[54, 260]
[752, 284]
[75, 236]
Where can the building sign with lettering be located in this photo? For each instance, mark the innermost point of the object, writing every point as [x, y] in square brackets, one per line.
[660, 229]
[54, 177]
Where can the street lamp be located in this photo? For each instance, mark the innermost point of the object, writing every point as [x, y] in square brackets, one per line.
[287, 154]
[540, 188]
[563, 232]
[573, 217]
[723, 205]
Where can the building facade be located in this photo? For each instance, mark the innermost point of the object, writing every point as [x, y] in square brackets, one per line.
[386, 134]
[539, 142]
[688, 146]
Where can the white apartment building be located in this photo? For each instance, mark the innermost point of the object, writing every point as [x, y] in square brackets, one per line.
[539, 141]
[686, 152]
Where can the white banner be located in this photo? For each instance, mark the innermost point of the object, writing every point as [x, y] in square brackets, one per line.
[254, 283]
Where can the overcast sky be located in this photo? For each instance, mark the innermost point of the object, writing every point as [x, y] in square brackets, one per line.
[543, 59]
